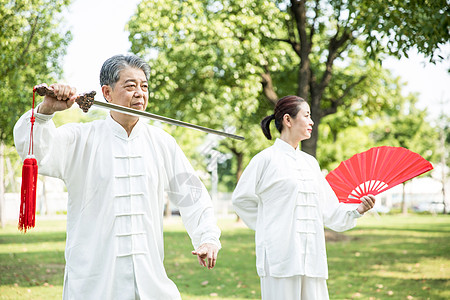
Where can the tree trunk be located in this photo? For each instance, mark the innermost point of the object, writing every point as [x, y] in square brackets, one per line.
[240, 167]
[44, 201]
[2, 187]
[10, 171]
[167, 211]
[444, 164]
[404, 206]
[310, 145]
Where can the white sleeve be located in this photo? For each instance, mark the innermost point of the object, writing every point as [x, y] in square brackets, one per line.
[189, 194]
[245, 199]
[50, 143]
[336, 216]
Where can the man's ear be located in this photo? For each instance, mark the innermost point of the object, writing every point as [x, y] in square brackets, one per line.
[107, 90]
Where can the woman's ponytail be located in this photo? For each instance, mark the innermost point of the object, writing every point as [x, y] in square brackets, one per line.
[287, 105]
[265, 126]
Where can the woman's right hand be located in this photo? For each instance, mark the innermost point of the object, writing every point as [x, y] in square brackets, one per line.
[367, 203]
[65, 97]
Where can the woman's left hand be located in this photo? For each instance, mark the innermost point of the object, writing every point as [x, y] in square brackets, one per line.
[367, 203]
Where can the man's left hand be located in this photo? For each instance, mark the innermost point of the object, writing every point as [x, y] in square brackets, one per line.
[207, 252]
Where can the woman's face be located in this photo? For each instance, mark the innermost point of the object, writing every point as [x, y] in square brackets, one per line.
[301, 125]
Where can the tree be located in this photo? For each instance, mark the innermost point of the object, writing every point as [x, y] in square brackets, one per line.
[32, 43]
[444, 141]
[405, 126]
[225, 63]
[373, 27]
[400, 124]
[397, 122]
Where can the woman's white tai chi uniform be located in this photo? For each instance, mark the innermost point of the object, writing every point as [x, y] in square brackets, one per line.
[283, 195]
[116, 185]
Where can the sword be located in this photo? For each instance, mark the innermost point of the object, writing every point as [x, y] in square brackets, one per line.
[86, 100]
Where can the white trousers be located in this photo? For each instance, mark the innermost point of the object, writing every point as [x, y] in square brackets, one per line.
[293, 288]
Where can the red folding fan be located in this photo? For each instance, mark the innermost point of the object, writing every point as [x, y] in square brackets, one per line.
[374, 171]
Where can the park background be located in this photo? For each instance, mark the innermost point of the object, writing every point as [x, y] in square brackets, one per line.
[222, 64]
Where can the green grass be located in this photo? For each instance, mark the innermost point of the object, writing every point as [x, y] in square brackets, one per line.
[390, 257]
[393, 257]
[32, 264]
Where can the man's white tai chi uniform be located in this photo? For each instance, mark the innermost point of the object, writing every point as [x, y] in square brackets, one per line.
[116, 185]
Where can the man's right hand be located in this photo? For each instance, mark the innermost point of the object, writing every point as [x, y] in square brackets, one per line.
[65, 98]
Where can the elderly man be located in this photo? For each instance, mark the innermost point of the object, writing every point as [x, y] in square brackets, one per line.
[117, 171]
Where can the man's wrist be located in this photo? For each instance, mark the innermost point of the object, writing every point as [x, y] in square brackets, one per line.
[42, 109]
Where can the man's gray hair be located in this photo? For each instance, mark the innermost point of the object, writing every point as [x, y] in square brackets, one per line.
[110, 72]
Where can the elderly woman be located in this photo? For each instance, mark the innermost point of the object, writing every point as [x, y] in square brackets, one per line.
[284, 197]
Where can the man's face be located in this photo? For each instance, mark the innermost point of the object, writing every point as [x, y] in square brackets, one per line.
[131, 90]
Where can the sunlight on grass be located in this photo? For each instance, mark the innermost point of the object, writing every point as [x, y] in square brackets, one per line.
[424, 269]
[387, 257]
[392, 257]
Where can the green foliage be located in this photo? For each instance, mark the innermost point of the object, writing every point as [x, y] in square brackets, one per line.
[444, 137]
[33, 40]
[223, 64]
[191, 142]
[396, 26]
[76, 115]
[12, 169]
[382, 117]
[350, 141]
[406, 126]
[205, 73]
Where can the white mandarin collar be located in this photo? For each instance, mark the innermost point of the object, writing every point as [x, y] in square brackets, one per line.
[285, 147]
[120, 132]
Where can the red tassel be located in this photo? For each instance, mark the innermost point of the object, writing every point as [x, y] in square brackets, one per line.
[29, 184]
[28, 194]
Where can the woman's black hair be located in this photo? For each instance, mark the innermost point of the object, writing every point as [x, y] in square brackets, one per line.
[287, 105]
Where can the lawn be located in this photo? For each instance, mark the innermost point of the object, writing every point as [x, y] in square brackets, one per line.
[387, 257]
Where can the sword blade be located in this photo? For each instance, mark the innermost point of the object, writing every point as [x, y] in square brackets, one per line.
[141, 113]
[86, 100]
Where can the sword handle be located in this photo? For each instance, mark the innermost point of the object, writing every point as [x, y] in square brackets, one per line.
[43, 90]
[84, 100]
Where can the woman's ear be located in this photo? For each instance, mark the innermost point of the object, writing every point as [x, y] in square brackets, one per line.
[107, 90]
[287, 120]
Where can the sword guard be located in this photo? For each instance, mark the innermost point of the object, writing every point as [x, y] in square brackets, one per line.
[84, 100]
